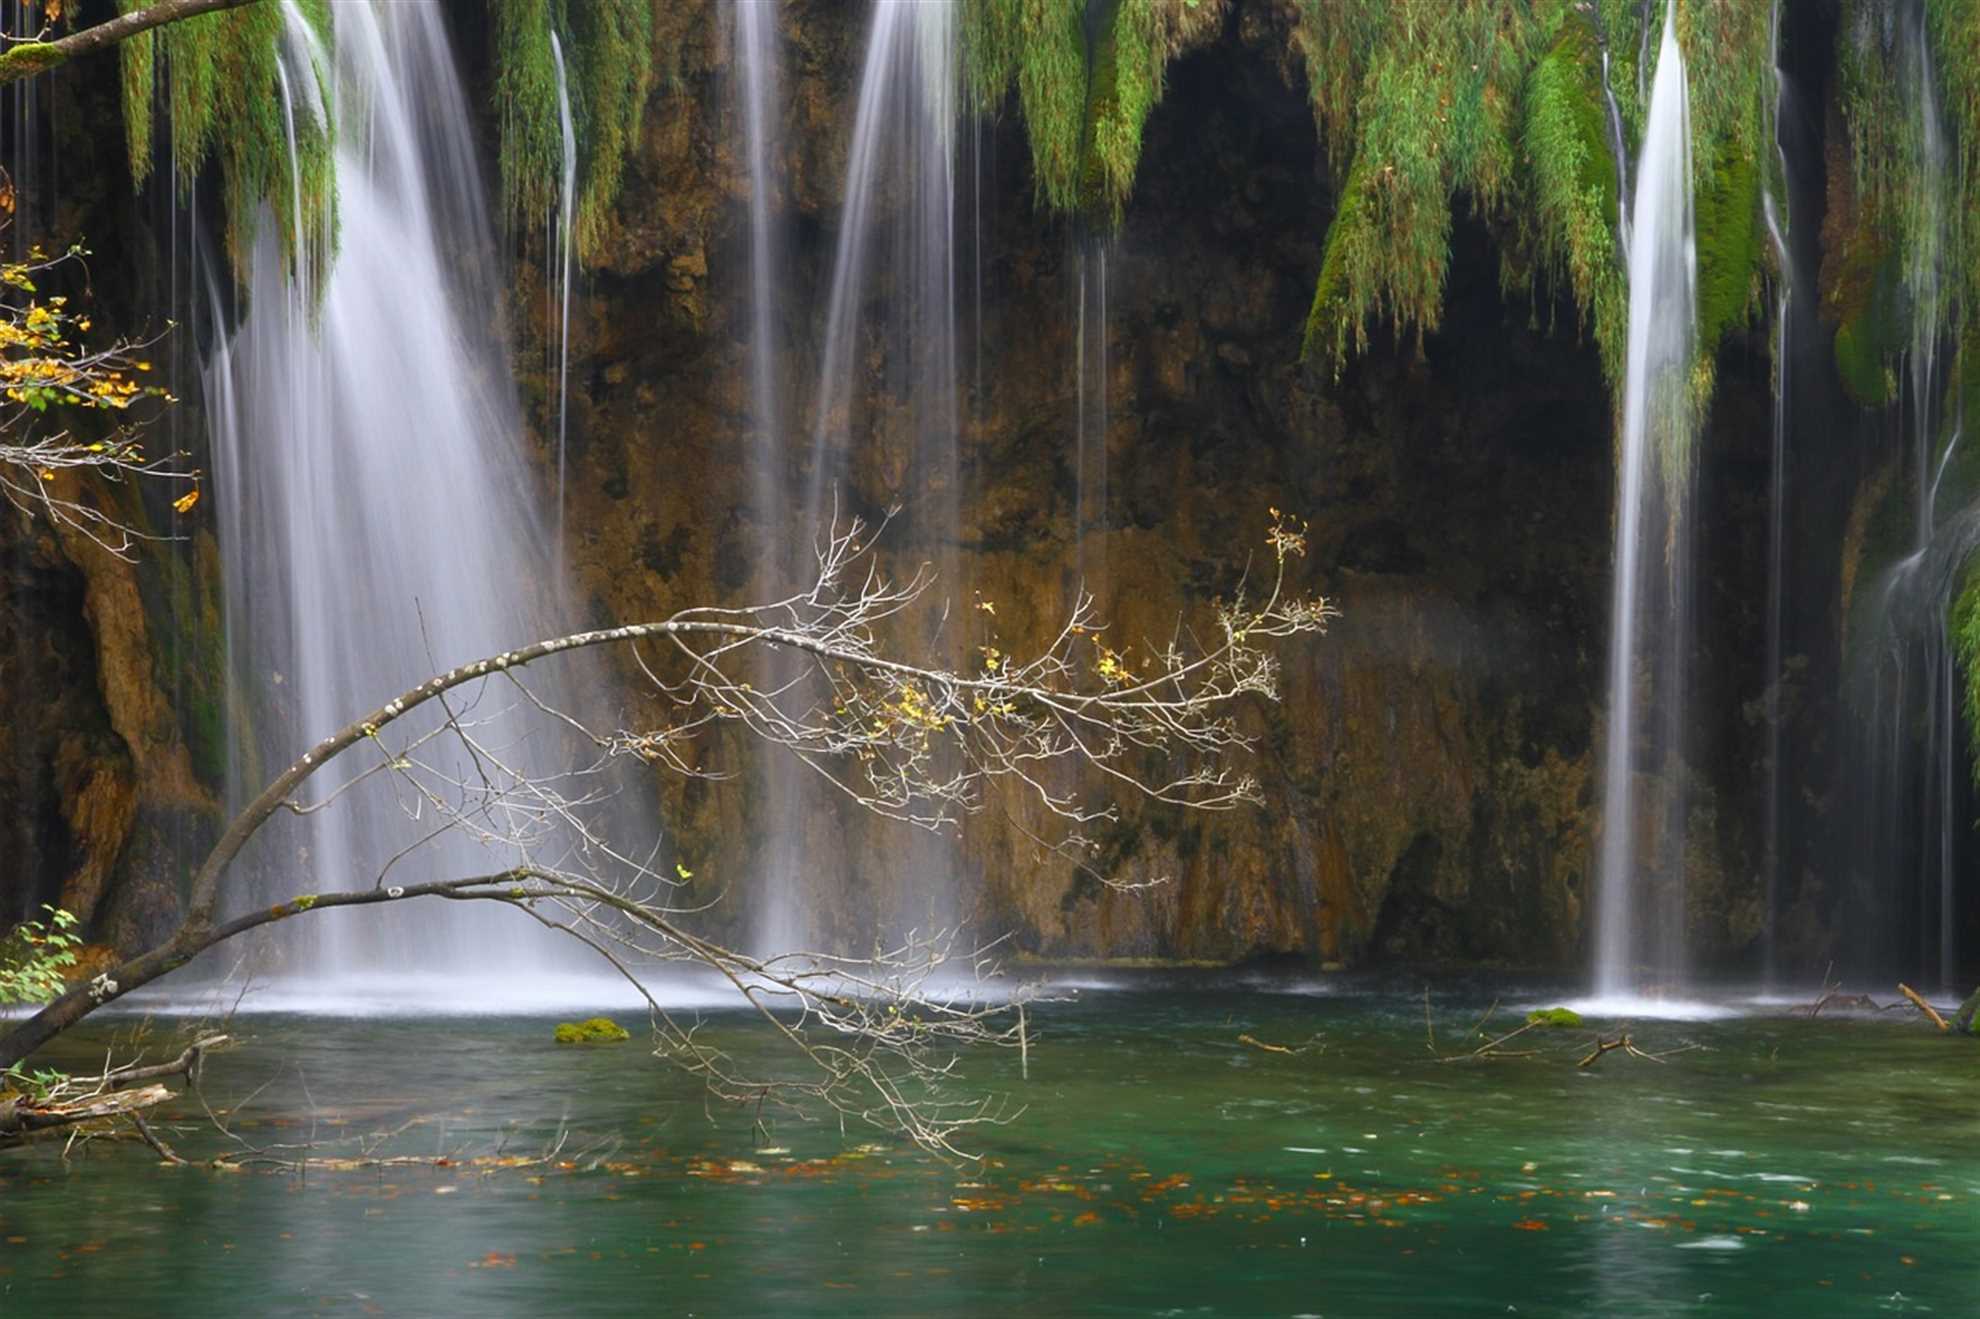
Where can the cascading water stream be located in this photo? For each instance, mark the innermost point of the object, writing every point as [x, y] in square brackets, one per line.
[1090, 435]
[1776, 525]
[1619, 150]
[374, 521]
[892, 385]
[566, 232]
[1915, 782]
[1639, 895]
[779, 922]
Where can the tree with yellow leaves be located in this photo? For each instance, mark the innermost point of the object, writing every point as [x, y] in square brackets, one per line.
[48, 373]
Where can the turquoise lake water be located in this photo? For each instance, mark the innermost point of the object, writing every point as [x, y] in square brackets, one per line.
[1159, 1166]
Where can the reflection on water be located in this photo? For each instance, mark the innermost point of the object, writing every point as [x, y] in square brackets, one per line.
[1786, 1166]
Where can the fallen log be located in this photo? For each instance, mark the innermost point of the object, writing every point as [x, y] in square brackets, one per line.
[20, 1118]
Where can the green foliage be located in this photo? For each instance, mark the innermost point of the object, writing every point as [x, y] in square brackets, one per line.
[1901, 247]
[1086, 81]
[34, 955]
[219, 78]
[608, 54]
[1564, 146]
[29, 58]
[598, 1030]
[1422, 96]
[39, 1086]
[1727, 209]
[1554, 1017]
[1502, 102]
[1963, 630]
[1955, 30]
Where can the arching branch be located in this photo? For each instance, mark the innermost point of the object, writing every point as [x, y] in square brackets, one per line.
[28, 58]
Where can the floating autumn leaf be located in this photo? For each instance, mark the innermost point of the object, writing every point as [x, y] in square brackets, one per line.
[184, 503]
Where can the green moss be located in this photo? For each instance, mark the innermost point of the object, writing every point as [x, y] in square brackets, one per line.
[1086, 81]
[222, 87]
[1728, 244]
[1418, 99]
[1963, 630]
[1501, 103]
[608, 60]
[1890, 165]
[1564, 145]
[1863, 363]
[598, 1030]
[1554, 1018]
[1328, 320]
[30, 58]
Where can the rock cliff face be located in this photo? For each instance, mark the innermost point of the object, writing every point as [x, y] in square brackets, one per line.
[1430, 769]
[113, 749]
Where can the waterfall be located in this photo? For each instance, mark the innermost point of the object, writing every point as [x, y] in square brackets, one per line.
[566, 231]
[1904, 685]
[1770, 828]
[1639, 884]
[779, 542]
[1618, 150]
[888, 384]
[902, 157]
[1090, 434]
[374, 514]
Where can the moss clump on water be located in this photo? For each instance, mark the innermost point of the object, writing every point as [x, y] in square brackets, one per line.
[598, 1030]
[1554, 1017]
[1968, 1016]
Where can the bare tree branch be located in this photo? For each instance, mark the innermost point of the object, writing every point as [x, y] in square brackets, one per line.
[914, 742]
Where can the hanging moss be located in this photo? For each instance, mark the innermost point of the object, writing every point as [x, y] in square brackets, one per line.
[1893, 234]
[1326, 321]
[1502, 102]
[1564, 147]
[1430, 114]
[608, 63]
[220, 78]
[1087, 78]
[1727, 207]
[1963, 628]
[1954, 28]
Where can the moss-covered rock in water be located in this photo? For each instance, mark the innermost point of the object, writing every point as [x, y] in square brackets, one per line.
[1553, 1017]
[599, 1030]
[1968, 1018]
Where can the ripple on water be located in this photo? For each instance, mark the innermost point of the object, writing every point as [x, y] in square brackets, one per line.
[1712, 1243]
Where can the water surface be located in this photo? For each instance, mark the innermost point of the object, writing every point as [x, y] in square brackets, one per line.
[1159, 1166]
